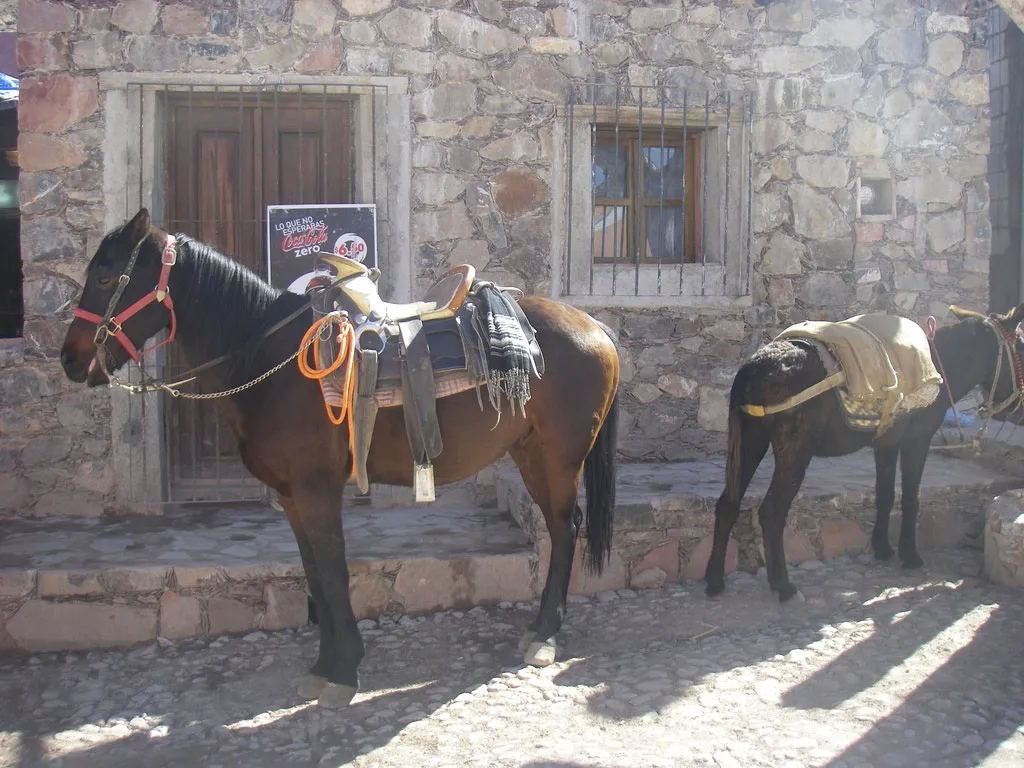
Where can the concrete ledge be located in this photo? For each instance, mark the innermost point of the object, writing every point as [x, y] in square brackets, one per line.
[665, 515]
[232, 571]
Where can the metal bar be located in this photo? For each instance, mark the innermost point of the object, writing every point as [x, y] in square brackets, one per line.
[615, 221]
[323, 145]
[661, 176]
[593, 157]
[570, 127]
[302, 149]
[638, 198]
[682, 260]
[750, 192]
[728, 176]
[373, 140]
[704, 192]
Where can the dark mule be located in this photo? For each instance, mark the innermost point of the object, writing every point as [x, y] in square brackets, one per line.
[287, 442]
[970, 351]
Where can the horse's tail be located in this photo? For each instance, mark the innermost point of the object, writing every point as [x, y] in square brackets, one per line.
[599, 475]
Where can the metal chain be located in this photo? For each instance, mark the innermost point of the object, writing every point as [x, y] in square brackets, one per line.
[136, 389]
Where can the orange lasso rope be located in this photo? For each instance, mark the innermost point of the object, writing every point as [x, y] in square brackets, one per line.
[346, 357]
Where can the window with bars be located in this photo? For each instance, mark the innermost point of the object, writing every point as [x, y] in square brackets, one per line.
[658, 194]
[641, 207]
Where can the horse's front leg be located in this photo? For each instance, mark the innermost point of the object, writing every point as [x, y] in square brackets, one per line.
[311, 685]
[912, 458]
[885, 495]
[317, 502]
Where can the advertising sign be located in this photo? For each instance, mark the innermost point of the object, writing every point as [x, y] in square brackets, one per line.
[298, 234]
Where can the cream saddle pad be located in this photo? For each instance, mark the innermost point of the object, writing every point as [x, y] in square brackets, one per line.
[885, 361]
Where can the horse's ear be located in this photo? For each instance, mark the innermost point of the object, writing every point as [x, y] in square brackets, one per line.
[138, 227]
[961, 313]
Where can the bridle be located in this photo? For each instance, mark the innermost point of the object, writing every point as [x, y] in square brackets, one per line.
[111, 325]
[1007, 347]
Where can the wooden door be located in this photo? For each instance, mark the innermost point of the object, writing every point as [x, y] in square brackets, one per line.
[230, 156]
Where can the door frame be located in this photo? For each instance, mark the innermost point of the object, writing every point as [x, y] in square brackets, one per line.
[134, 174]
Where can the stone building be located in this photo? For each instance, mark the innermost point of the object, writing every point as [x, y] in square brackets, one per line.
[837, 163]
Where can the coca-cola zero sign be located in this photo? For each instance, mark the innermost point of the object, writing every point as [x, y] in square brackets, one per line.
[298, 234]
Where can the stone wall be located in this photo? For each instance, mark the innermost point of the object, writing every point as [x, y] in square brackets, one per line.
[1006, 158]
[883, 89]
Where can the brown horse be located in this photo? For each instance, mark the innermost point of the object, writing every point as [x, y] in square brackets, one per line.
[970, 352]
[224, 312]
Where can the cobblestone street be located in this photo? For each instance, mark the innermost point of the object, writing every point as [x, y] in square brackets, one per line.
[875, 668]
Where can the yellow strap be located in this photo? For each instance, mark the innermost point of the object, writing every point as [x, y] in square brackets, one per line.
[824, 385]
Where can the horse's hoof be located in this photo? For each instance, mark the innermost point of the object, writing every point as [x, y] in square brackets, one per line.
[337, 695]
[883, 553]
[912, 562]
[310, 686]
[541, 654]
[526, 640]
[787, 592]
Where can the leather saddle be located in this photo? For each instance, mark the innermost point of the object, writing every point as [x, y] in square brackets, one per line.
[409, 355]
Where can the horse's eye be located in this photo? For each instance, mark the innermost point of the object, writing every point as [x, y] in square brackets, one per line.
[103, 282]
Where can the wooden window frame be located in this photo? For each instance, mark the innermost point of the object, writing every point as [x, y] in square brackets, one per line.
[636, 204]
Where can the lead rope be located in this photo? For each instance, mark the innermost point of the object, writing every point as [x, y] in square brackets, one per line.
[346, 341]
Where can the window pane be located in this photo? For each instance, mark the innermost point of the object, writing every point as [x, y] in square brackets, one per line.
[610, 171]
[663, 166]
[609, 240]
[663, 231]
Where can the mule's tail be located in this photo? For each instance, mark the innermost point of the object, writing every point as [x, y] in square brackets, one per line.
[733, 456]
[599, 476]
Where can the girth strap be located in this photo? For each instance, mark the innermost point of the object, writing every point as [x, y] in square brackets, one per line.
[810, 393]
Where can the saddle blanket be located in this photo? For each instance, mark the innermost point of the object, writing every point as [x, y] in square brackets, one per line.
[886, 361]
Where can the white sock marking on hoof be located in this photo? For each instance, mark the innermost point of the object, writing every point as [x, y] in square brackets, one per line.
[337, 695]
[541, 654]
[311, 685]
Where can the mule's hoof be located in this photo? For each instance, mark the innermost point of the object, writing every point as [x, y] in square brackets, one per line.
[714, 588]
[311, 685]
[913, 563]
[526, 640]
[337, 695]
[787, 592]
[541, 654]
[883, 553]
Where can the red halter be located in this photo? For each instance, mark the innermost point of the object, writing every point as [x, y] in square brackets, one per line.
[111, 326]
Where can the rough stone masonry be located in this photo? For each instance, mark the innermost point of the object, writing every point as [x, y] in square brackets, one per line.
[885, 89]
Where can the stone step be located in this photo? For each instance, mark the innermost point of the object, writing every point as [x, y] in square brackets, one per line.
[664, 514]
[74, 583]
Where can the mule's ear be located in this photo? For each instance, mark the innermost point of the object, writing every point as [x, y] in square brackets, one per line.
[138, 227]
[961, 313]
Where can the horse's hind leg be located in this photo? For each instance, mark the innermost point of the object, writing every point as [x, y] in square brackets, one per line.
[318, 505]
[753, 446]
[555, 493]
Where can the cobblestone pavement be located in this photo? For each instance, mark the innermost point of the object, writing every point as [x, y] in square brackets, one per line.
[875, 668]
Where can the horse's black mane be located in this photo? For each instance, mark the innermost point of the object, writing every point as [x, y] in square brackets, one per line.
[238, 305]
